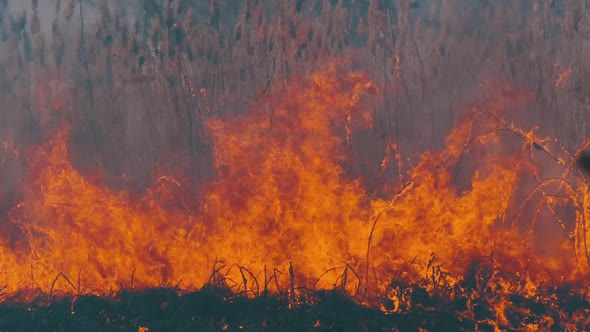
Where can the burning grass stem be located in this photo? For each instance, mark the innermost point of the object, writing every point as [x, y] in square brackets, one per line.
[292, 297]
[323, 274]
[254, 280]
[404, 189]
[569, 166]
[55, 280]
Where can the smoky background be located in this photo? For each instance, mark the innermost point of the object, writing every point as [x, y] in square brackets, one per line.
[135, 79]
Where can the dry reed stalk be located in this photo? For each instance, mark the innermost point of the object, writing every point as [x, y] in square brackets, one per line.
[55, 280]
[292, 295]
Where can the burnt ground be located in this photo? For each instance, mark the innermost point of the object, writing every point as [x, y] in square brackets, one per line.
[217, 309]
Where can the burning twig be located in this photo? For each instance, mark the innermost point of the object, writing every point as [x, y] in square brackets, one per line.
[292, 298]
[2, 292]
[213, 278]
[255, 280]
[358, 285]
[55, 280]
[548, 199]
[577, 159]
[273, 277]
[265, 290]
[405, 189]
[225, 284]
[243, 269]
[378, 295]
[323, 274]
[177, 286]
[133, 279]
[64, 204]
[539, 188]
[344, 278]
[205, 99]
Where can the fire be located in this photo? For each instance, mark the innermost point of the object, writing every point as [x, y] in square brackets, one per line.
[562, 76]
[284, 211]
[282, 191]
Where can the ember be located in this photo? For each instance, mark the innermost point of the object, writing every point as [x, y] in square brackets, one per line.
[281, 205]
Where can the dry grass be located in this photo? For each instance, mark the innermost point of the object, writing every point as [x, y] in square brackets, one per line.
[467, 306]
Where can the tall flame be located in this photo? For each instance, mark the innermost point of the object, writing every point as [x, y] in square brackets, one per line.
[284, 200]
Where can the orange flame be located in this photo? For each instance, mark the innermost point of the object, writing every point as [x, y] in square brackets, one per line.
[562, 76]
[284, 202]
